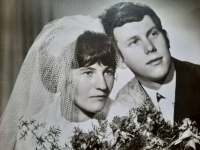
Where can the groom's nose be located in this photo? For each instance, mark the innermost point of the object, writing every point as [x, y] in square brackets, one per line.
[148, 46]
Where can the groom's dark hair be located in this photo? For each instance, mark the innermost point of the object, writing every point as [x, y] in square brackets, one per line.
[126, 12]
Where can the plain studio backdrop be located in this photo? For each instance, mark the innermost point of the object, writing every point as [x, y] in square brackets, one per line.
[22, 20]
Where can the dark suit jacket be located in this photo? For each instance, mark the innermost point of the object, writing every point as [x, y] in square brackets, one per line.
[187, 95]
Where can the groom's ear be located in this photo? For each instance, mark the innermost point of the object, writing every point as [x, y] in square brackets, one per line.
[119, 57]
[166, 38]
[121, 64]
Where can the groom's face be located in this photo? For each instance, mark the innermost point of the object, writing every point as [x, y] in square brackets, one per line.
[144, 49]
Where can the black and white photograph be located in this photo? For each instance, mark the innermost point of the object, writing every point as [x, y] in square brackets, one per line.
[100, 75]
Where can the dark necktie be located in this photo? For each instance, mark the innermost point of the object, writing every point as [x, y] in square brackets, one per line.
[159, 97]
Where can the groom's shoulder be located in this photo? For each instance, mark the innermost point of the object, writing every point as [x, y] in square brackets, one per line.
[131, 94]
[185, 65]
[187, 68]
[131, 85]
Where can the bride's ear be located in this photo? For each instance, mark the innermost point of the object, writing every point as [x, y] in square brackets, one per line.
[57, 96]
[115, 76]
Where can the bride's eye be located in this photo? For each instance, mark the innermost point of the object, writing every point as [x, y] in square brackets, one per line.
[110, 72]
[88, 73]
[154, 33]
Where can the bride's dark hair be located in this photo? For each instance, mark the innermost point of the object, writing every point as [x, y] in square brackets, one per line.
[91, 48]
[94, 48]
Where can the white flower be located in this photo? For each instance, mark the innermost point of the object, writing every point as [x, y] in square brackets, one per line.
[83, 146]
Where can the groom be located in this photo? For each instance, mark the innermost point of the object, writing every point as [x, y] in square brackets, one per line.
[172, 85]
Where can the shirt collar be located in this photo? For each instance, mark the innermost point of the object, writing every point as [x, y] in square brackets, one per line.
[167, 89]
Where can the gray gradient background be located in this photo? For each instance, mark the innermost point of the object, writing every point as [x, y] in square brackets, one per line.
[181, 19]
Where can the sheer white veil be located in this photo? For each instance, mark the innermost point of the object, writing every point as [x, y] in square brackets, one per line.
[45, 72]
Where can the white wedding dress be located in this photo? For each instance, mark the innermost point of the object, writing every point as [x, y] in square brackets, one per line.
[37, 133]
[34, 118]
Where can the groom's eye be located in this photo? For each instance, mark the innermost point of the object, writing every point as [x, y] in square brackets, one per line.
[153, 33]
[134, 42]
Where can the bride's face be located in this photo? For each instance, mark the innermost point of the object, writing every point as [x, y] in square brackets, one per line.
[95, 83]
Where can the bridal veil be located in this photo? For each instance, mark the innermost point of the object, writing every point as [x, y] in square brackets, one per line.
[46, 71]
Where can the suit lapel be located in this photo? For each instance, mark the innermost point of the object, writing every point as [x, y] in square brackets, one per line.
[185, 104]
[145, 96]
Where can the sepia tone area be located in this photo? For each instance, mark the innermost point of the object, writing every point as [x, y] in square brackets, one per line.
[21, 21]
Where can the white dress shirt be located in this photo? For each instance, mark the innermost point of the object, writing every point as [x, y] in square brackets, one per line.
[167, 90]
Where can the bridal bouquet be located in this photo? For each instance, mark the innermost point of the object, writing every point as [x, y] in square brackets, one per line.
[142, 129]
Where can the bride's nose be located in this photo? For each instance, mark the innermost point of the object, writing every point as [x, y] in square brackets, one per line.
[100, 82]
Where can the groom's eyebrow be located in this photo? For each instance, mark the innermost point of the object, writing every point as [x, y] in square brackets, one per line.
[134, 36]
[151, 29]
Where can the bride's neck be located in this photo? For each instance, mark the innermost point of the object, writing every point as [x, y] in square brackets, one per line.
[82, 115]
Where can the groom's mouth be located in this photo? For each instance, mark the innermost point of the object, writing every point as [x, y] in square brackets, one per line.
[155, 61]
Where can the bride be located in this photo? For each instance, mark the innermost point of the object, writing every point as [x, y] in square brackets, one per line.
[64, 81]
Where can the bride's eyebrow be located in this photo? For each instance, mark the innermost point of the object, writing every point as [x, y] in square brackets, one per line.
[86, 68]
